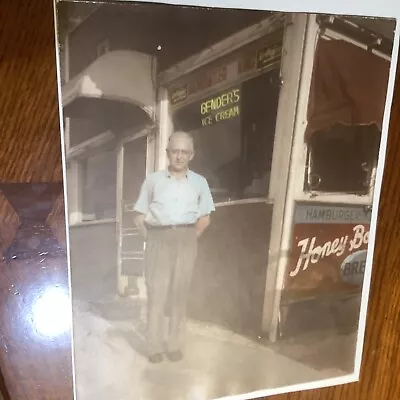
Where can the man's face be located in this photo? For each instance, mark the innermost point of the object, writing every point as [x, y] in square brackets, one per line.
[180, 153]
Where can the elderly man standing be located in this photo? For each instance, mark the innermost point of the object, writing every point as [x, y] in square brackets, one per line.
[173, 210]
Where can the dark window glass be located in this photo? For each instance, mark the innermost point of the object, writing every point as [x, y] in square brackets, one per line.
[234, 134]
[342, 158]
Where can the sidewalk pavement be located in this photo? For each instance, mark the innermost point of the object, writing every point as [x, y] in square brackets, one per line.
[110, 362]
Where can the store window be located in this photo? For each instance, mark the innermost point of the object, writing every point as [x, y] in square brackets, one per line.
[342, 159]
[234, 132]
[345, 113]
[100, 186]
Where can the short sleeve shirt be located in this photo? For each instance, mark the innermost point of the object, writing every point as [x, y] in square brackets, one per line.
[165, 200]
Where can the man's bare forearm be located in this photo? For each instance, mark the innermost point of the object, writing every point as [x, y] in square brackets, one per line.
[140, 224]
[202, 224]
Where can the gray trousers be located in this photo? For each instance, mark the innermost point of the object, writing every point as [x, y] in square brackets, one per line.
[169, 261]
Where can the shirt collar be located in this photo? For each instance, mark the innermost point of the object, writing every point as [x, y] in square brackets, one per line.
[168, 174]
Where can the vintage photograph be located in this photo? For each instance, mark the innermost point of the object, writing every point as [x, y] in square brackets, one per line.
[220, 176]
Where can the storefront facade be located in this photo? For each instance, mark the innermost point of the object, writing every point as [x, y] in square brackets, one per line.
[228, 99]
[281, 215]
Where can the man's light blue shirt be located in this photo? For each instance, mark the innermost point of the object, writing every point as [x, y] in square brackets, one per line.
[165, 200]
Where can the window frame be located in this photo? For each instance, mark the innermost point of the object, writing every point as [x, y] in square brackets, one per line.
[302, 150]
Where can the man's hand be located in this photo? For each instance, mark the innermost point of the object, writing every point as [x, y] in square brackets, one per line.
[202, 224]
[140, 224]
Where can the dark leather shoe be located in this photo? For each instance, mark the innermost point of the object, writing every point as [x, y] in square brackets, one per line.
[175, 356]
[155, 358]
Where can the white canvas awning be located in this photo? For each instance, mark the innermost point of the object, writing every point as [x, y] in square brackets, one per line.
[122, 77]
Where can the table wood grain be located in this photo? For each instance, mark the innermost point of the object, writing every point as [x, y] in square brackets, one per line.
[35, 369]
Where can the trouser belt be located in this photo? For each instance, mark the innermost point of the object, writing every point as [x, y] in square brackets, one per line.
[161, 227]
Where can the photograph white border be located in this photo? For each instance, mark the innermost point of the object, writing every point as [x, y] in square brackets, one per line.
[64, 175]
[375, 8]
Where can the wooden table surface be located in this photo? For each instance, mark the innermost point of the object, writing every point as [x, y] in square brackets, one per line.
[36, 368]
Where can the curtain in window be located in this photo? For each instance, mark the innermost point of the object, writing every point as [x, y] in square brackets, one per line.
[349, 86]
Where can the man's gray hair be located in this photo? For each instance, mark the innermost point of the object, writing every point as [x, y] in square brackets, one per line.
[181, 134]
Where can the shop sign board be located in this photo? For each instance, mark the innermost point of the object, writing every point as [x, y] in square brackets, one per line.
[268, 55]
[220, 107]
[329, 250]
[178, 94]
[234, 69]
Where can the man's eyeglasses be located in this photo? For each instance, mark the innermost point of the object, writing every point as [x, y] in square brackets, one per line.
[176, 152]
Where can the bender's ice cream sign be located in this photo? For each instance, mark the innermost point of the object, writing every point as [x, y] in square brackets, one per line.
[329, 249]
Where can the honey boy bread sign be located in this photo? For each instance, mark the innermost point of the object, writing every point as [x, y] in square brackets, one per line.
[329, 249]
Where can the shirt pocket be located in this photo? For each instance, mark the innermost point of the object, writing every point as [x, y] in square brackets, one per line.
[165, 195]
[190, 197]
